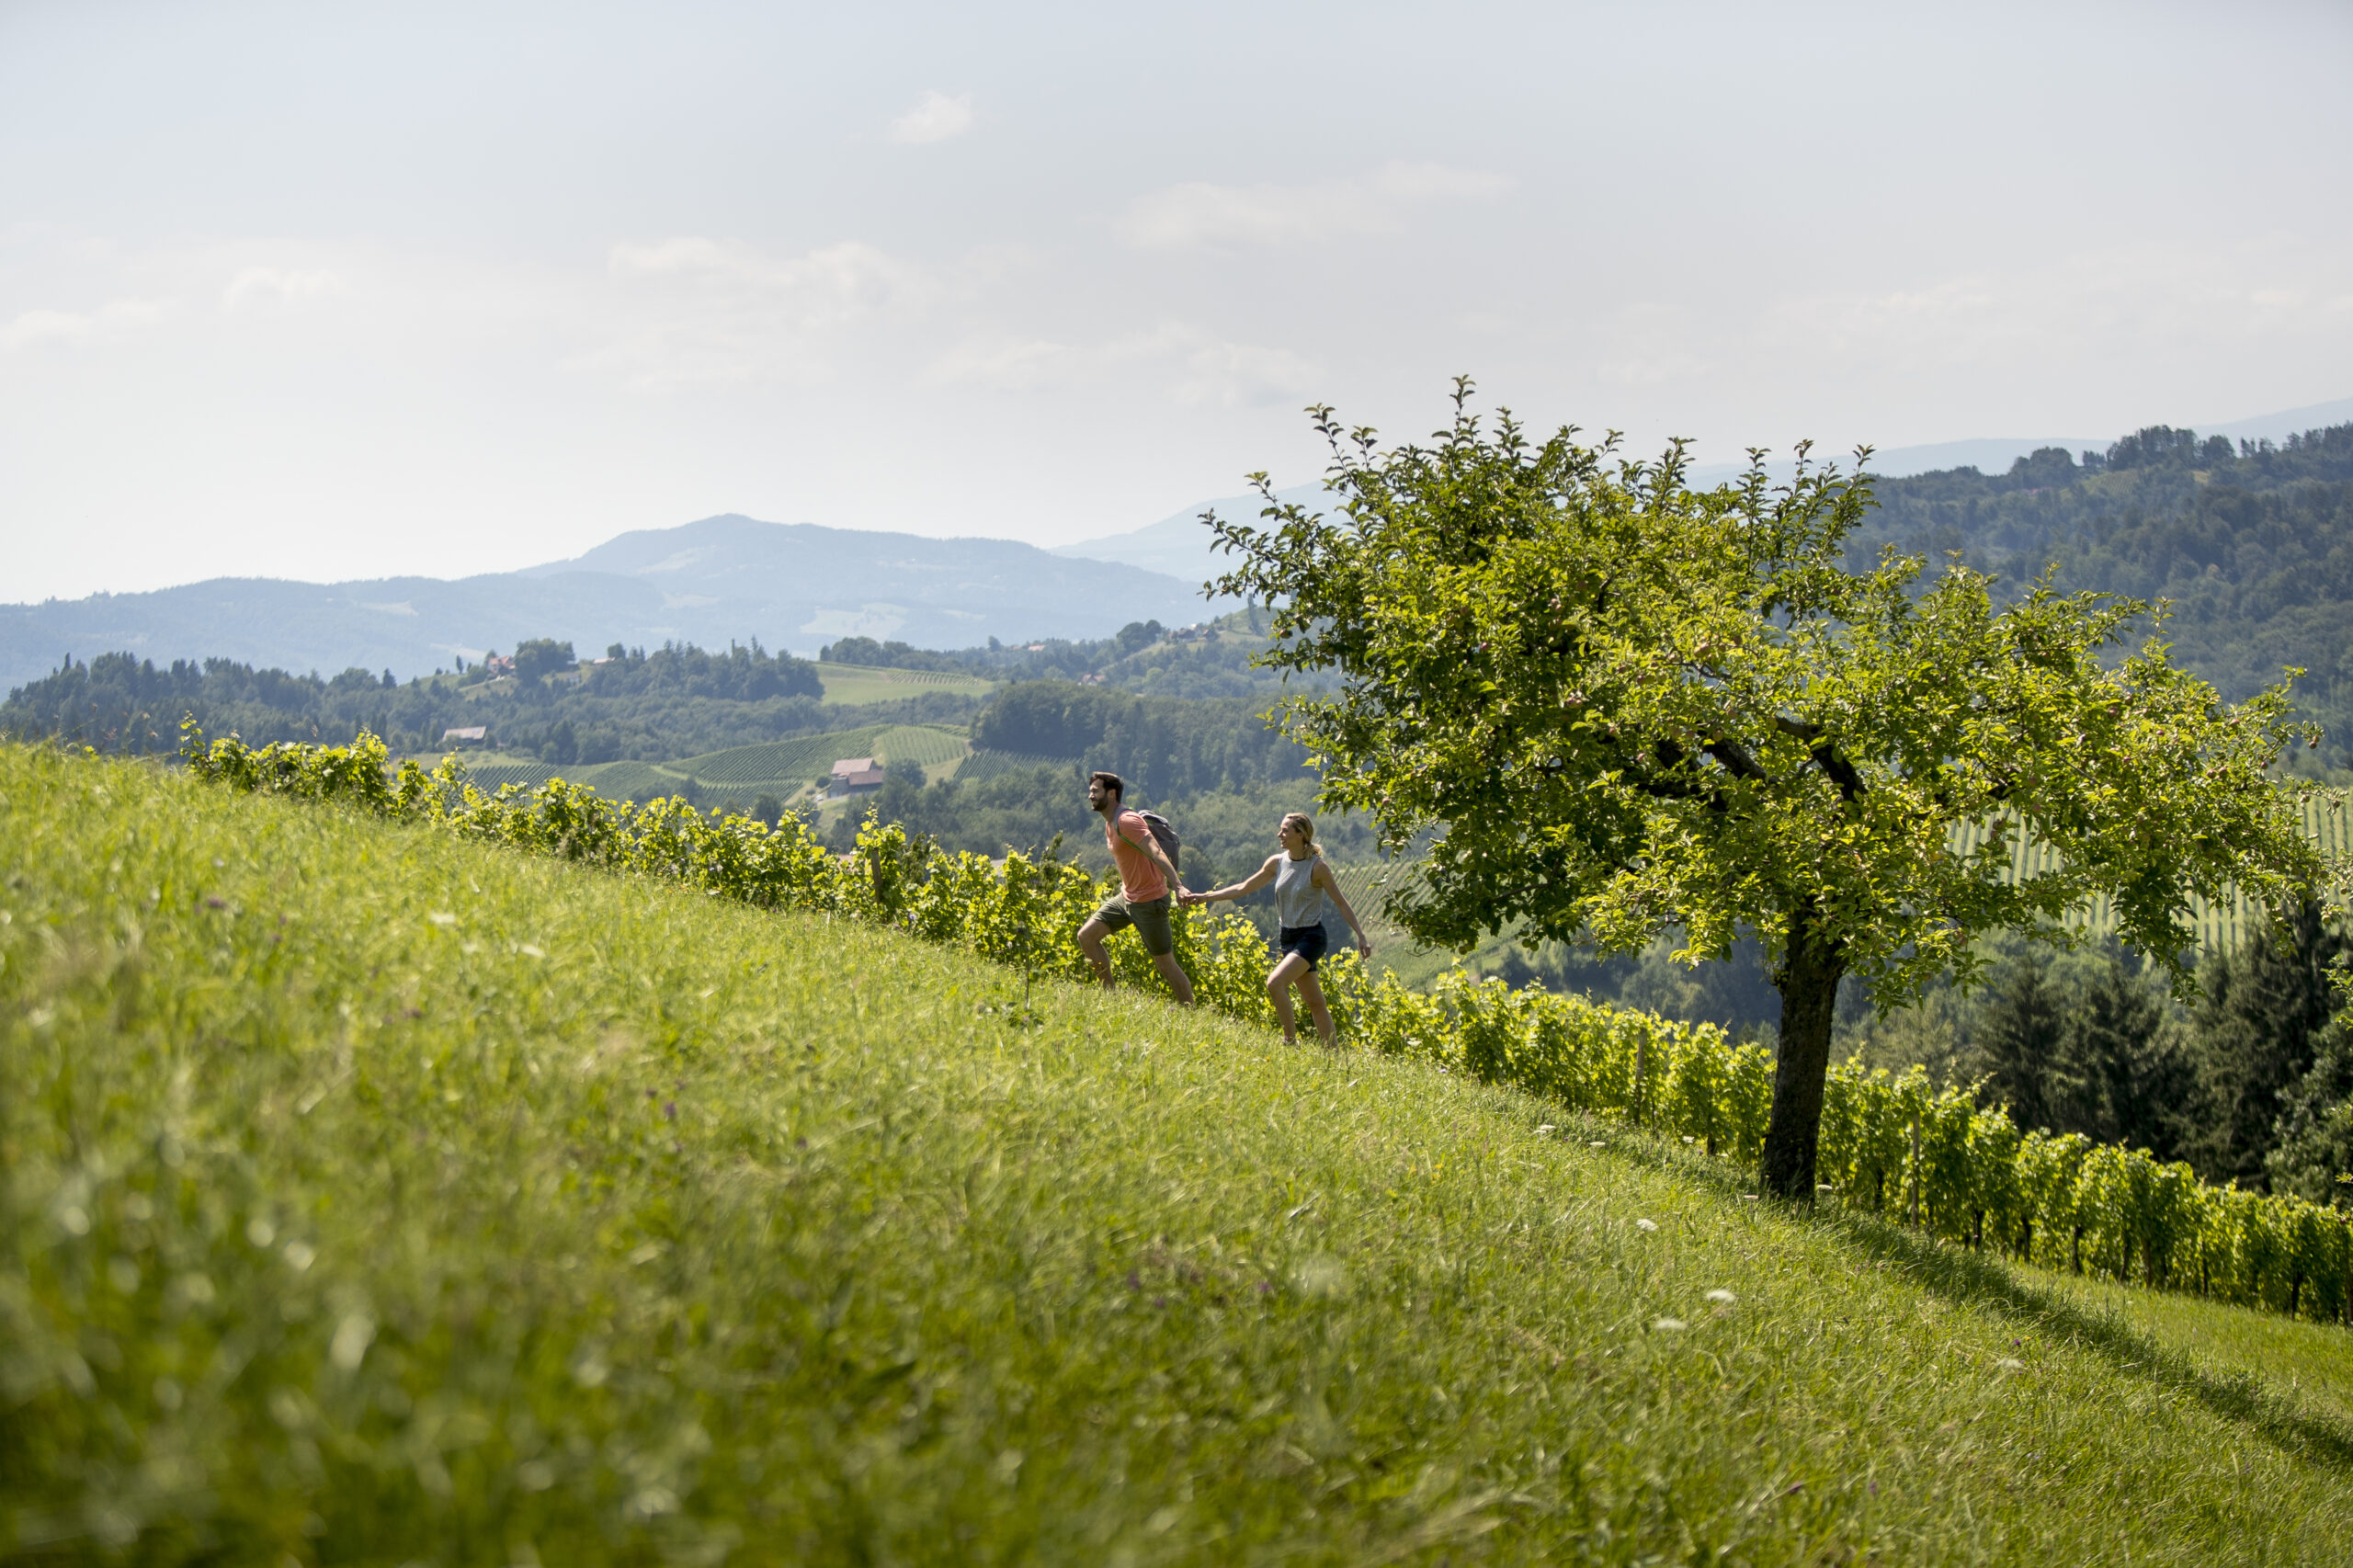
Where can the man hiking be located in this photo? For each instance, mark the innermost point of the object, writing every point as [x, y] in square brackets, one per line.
[1146, 878]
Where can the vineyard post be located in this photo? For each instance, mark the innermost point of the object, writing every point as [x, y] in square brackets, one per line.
[1912, 1202]
[1642, 1058]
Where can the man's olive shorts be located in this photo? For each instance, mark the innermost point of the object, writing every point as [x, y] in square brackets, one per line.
[1149, 916]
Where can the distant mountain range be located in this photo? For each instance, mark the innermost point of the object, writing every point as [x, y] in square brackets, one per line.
[1179, 546]
[731, 578]
[793, 586]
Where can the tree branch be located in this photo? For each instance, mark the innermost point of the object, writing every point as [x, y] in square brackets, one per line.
[1735, 759]
[1842, 772]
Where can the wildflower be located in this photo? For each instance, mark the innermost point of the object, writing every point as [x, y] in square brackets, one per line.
[1645, 1225]
[1722, 1298]
[1668, 1325]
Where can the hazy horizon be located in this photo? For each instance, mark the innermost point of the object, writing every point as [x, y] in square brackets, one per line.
[329, 296]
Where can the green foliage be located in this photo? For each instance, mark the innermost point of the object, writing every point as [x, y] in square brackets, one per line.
[2253, 1035]
[867, 653]
[537, 657]
[1634, 707]
[2313, 1155]
[1163, 746]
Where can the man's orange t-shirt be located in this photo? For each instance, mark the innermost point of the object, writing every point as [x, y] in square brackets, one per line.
[1140, 878]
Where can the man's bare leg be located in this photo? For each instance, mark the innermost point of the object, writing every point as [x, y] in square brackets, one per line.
[1174, 972]
[1090, 942]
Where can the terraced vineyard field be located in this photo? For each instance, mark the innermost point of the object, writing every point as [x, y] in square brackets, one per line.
[985, 764]
[858, 683]
[798, 760]
[777, 767]
[1365, 886]
[614, 781]
[2219, 925]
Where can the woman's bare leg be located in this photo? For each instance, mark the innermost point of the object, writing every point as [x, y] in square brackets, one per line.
[1279, 993]
[1317, 1009]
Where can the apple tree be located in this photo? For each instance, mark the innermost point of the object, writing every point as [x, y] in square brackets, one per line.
[1625, 706]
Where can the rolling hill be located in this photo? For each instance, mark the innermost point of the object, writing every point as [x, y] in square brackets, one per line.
[377, 1195]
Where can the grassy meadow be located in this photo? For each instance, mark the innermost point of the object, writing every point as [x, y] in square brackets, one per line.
[371, 1197]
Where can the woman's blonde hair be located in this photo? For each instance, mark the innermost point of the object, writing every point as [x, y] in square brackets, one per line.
[1306, 826]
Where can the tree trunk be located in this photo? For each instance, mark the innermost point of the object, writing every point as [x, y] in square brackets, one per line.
[1808, 981]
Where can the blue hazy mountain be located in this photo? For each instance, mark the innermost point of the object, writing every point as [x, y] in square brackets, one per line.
[1178, 545]
[793, 586]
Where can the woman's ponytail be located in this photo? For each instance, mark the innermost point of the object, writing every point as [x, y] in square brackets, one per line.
[1306, 826]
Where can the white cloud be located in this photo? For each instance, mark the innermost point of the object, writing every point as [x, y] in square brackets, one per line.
[696, 309]
[2054, 308]
[1213, 371]
[1192, 366]
[1646, 344]
[1006, 364]
[1198, 213]
[272, 285]
[935, 117]
[115, 319]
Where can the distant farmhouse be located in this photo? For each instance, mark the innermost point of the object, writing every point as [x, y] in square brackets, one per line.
[474, 734]
[855, 775]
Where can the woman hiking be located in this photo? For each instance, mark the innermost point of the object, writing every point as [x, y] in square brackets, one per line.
[1303, 884]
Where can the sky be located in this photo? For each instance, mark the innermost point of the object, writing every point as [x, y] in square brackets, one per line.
[324, 291]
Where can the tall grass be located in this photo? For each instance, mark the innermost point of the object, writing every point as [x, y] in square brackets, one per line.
[373, 1196]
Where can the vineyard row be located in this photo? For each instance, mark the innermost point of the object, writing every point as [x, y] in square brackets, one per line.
[1890, 1145]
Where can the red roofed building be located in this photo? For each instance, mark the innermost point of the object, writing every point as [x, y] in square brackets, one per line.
[852, 774]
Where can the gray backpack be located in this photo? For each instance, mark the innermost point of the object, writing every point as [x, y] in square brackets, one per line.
[1164, 834]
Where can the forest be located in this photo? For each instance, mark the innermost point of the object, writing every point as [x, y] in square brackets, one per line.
[2253, 544]
[1209, 659]
[678, 700]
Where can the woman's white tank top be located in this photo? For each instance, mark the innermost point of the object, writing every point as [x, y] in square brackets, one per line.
[1298, 901]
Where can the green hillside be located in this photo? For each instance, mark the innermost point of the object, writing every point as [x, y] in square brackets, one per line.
[796, 761]
[376, 1197]
[857, 684]
[776, 766]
